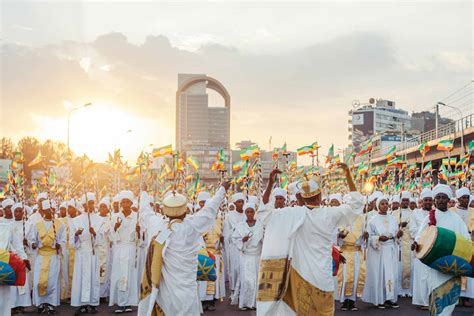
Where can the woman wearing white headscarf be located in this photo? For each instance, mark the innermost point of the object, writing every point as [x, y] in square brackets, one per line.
[381, 288]
[248, 236]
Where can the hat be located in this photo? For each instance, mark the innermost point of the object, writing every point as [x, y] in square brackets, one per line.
[374, 196]
[7, 202]
[238, 196]
[72, 203]
[116, 199]
[442, 188]
[249, 205]
[203, 196]
[89, 196]
[309, 188]
[426, 193]
[126, 194]
[293, 188]
[335, 196]
[41, 196]
[45, 204]
[17, 205]
[105, 200]
[379, 200]
[63, 204]
[175, 205]
[405, 195]
[252, 199]
[462, 192]
[279, 192]
[395, 198]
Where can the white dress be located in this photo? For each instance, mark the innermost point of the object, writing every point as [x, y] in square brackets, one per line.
[420, 270]
[20, 295]
[382, 261]
[10, 241]
[246, 290]
[233, 218]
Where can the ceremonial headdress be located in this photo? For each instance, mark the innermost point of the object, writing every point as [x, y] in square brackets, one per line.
[45, 204]
[293, 188]
[238, 196]
[374, 196]
[17, 205]
[309, 188]
[335, 196]
[395, 198]
[105, 200]
[175, 205]
[126, 194]
[426, 193]
[63, 204]
[279, 192]
[90, 197]
[462, 192]
[442, 188]
[7, 202]
[203, 196]
[379, 200]
[405, 195]
[41, 196]
[116, 199]
[249, 205]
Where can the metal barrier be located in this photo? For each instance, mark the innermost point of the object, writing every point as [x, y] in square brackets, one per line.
[456, 128]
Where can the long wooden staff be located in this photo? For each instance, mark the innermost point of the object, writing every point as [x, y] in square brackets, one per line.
[84, 183]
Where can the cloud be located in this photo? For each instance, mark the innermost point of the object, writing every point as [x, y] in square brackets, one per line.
[296, 96]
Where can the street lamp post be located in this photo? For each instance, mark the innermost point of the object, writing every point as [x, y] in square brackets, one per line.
[68, 119]
[462, 124]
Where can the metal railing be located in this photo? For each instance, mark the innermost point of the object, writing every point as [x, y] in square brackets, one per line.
[456, 128]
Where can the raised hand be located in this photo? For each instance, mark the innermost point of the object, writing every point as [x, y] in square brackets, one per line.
[118, 223]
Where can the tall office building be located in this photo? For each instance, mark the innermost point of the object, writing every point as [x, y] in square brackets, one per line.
[201, 130]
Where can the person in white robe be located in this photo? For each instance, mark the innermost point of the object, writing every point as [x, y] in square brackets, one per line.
[232, 219]
[124, 236]
[382, 258]
[444, 218]
[462, 209]
[104, 249]
[21, 296]
[177, 293]
[405, 265]
[302, 236]
[85, 291]
[211, 291]
[48, 236]
[248, 236]
[420, 270]
[11, 241]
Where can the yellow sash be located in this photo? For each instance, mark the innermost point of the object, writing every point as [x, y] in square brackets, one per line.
[46, 251]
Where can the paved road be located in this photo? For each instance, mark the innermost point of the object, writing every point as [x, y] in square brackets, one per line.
[224, 308]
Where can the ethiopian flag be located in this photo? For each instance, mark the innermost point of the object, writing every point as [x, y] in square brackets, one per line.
[36, 160]
[238, 165]
[424, 148]
[470, 149]
[249, 152]
[367, 148]
[363, 168]
[446, 144]
[162, 151]
[305, 150]
[193, 162]
[391, 152]
[428, 168]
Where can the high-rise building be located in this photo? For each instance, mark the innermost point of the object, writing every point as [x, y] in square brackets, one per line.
[375, 117]
[201, 130]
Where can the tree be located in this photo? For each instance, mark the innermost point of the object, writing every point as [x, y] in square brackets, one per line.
[30, 148]
[6, 148]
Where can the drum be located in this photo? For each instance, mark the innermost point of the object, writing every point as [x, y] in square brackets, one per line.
[12, 269]
[206, 266]
[445, 251]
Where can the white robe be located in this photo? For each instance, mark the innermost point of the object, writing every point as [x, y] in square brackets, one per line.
[420, 270]
[449, 220]
[20, 295]
[53, 293]
[85, 281]
[382, 261]
[465, 215]
[9, 241]
[246, 290]
[233, 218]
[405, 244]
[105, 256]
[177, 292]
[123, 279]
[306, 235]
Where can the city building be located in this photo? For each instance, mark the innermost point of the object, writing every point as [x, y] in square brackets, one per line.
[426, 121]
[202, 130]
[375, 117]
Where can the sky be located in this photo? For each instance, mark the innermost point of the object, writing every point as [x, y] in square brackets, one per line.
[293, 69]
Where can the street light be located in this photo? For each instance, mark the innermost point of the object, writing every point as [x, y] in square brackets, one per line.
[462, 124]
[68, 119]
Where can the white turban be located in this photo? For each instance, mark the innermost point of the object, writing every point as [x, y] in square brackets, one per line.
[442, 188]
[279, 192]
[116, 199]
[45, 204]
[374, 196]
[293, 198]
[229, 205]
[238, 196]
[7, 202]
[54, 204]
[426, 193]
[249, 205]
[17, 205]
[72, 203]
[335, 196]
[396, 198]
[90, 197]
[41, 196]
[405, 195]
[105, 200]
[252, 199]
[63, 204]
[379, 200]
[462, 192]
[203, 196]
[126, 194]
[293, 188]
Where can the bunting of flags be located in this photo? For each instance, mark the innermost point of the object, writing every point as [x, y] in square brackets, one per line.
[162, 151]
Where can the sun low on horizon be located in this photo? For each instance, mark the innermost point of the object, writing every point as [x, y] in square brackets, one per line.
[97, 128]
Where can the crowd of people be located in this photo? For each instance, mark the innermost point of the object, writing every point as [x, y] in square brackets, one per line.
[283, 252]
